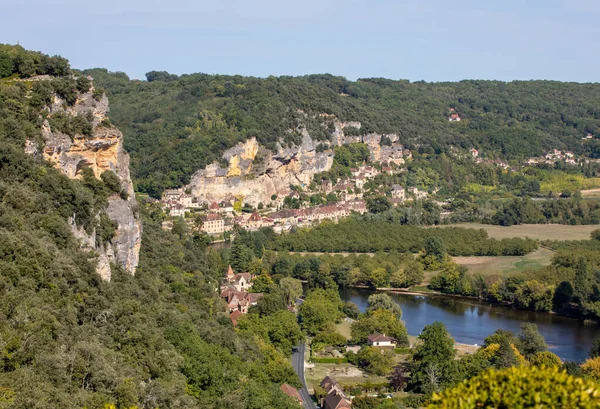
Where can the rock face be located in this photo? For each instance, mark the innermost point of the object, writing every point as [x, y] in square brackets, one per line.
[101, 151]
[254, 173]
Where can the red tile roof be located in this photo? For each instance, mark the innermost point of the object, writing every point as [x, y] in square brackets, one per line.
[291, 392]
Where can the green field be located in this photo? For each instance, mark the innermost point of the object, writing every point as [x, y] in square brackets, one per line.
[534, 231]
[506, 265]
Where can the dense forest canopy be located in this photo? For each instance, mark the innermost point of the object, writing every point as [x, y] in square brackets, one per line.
[175, 125]
[159, 339]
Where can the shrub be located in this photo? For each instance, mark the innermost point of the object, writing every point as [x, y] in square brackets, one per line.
[591, 368]
[546, 359]
[522, 387]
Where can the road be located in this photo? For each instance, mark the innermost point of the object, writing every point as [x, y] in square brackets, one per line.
[298, 364]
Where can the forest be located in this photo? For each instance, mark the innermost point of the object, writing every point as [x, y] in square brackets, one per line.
[365, 236]
[174, 125]
[68, 339]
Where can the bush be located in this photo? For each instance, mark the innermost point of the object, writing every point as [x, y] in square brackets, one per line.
[329, 360]
[523, 387]
[546, 359]
[591, 368]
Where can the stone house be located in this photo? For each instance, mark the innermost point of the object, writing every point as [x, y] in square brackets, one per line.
[213, 223]
[398, 192]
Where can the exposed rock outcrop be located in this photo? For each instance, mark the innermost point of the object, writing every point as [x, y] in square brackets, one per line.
[100, 151]
[254, 173]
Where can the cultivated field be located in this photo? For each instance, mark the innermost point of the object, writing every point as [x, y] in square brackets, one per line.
[534, 231]
[506, 265]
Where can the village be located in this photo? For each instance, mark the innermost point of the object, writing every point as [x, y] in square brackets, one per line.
[283, 212]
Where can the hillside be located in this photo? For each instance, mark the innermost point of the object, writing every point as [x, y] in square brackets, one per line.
[175, 126]
[68, 338]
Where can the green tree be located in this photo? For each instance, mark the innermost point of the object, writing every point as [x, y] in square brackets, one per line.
[292, 289]
[433, 360]
[530, 340]
[382, 321]
[378, 204]
[382, 301]
[320, 309]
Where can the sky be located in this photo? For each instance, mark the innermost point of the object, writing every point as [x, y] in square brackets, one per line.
[429, 40]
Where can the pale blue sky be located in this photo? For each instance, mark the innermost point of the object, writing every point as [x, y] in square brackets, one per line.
[432, 40]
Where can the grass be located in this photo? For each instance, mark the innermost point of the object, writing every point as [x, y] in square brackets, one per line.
[534, 231]
[558, 182]
[344, 328]
[590, 194]
[506, 265]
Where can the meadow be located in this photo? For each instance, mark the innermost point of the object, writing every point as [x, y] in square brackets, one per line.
[535, 231]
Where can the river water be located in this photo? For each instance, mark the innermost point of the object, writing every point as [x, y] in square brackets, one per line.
[470, 322]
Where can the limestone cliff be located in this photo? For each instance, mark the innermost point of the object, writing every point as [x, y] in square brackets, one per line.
[100, 151]
[254, 173]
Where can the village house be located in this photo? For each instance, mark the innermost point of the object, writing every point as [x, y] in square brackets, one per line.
[172, 194]
[357, 205]
[398, 192]
[254, 222]
[326, 186]
[335, 399]
[176, 210]
[226, 206]
[214, 208]
[454, 117]
[381, 340]
[331, 386]
[240, 281]
[240, 300]
[213, 223]
[292, 393]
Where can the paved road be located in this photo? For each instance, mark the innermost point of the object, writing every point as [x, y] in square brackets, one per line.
[298, 363]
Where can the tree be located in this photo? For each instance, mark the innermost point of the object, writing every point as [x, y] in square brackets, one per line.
[434, 356]
[595, 348]
[530, 340]
[377, 361]
[241, 256]
[382, 321]
[434, 246]
[591, 368]
[262, 284]
[580, 284]
[562, 295]
[399, 377]
[320, 309]
[520, 387]
[595, 234]
[546, 359]
[498, 336]
[378, 204]
[382, 301]
[292, 289]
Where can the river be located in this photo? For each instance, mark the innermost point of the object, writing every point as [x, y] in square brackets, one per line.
[470, 322]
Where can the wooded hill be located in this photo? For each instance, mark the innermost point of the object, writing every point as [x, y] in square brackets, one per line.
[175, 125]
[68, 339]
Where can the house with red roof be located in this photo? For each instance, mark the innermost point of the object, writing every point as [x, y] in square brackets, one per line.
[292, 392]
[381, 340]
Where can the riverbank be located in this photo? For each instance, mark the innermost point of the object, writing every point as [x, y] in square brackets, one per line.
[567, 314]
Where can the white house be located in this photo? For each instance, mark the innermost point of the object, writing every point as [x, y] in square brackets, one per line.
[380, 340]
